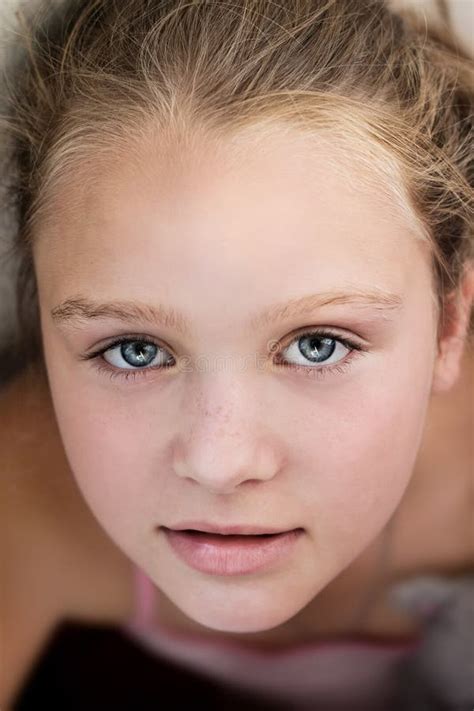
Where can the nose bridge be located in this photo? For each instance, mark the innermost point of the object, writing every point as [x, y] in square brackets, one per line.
[223, 441]
[223, 400]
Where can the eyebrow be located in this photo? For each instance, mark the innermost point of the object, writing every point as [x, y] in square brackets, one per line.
[78, 309]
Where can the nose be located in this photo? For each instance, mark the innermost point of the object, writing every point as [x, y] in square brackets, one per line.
[226, 446]
[221, 465]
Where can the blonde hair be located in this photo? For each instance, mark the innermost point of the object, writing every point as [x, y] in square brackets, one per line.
[93, 75]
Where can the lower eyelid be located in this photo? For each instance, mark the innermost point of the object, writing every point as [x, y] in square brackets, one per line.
[322, 370]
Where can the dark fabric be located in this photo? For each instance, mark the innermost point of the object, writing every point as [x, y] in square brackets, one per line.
[87, 668]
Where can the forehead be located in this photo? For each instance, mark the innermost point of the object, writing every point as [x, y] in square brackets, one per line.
[257, 199]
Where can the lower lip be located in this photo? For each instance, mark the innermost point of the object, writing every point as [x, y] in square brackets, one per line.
[231, 555]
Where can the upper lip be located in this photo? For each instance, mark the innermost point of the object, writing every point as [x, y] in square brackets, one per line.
[224, 530]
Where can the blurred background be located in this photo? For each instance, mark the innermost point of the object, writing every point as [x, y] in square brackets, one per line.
[461, 15]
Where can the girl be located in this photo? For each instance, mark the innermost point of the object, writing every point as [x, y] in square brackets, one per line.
[245, 233]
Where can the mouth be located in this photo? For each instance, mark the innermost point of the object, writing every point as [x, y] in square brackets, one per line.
[231, 553]
[207, 536]
[198, 527]
[196, 532]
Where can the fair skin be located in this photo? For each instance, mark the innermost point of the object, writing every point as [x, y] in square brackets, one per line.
[261, 444]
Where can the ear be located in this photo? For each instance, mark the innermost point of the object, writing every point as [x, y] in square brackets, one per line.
[453, 332]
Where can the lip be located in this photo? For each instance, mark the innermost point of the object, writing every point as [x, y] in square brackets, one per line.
[231, 554]
[224, 530]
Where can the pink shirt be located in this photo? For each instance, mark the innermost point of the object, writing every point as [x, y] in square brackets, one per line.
[358, 671]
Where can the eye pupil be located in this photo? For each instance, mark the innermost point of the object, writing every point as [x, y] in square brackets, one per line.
[138, 353]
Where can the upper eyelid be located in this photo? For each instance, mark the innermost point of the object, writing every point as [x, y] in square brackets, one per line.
[298, 333]
[115, 342]
[349, 341]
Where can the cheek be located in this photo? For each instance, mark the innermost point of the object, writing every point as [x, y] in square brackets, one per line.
[360, 452]
[110, 451]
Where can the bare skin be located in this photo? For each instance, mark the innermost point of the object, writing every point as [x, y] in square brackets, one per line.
[52, 544]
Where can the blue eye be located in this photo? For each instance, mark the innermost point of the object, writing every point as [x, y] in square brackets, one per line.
[131, 357]
[135, 354]
[315, 348]
[315, 353]
[319, 353]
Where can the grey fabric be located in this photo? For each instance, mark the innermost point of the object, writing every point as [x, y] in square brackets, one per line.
[442, 670]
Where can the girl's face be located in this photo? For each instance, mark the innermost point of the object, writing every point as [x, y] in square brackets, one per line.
[218, 409]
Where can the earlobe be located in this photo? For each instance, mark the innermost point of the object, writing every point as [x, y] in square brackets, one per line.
[453, 333]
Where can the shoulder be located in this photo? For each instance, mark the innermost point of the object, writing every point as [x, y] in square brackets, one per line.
[56, 561]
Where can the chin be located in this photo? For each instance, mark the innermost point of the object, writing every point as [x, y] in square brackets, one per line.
[247, 622]
[252, 608]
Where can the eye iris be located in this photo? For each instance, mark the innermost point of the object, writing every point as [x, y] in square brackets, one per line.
[315, 351]
[138, 353]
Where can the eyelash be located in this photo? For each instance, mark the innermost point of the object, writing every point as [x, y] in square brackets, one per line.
[355, 350]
